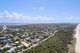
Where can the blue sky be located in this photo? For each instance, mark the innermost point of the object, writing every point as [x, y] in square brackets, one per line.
[39, 11]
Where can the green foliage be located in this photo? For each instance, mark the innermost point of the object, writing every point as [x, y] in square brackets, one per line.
[57, 44]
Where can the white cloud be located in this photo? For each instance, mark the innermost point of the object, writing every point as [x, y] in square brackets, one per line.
[13, 15]
[19, 17]
[39, 8]
[5, 15]
[34, 8]
[72, 17]
[42, 8]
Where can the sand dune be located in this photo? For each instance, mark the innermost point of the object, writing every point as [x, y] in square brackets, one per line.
[77, 36]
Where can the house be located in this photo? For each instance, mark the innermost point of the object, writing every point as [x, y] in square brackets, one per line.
[12, 50]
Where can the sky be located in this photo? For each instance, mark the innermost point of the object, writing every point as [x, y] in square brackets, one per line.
[39, 11]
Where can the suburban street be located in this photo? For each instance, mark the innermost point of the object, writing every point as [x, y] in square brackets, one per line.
[39, 42]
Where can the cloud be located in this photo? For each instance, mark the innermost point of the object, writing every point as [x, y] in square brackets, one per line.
[14, 17]
[72, 17]
[42, 8]
[5, 15]
[39, 8]
[34, 8]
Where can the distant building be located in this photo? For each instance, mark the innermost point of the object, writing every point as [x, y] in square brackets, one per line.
[4, 27]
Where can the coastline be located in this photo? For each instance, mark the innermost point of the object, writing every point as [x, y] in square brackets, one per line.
[77, 36]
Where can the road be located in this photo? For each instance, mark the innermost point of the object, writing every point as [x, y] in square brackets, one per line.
[39, 42]
[77, 36]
